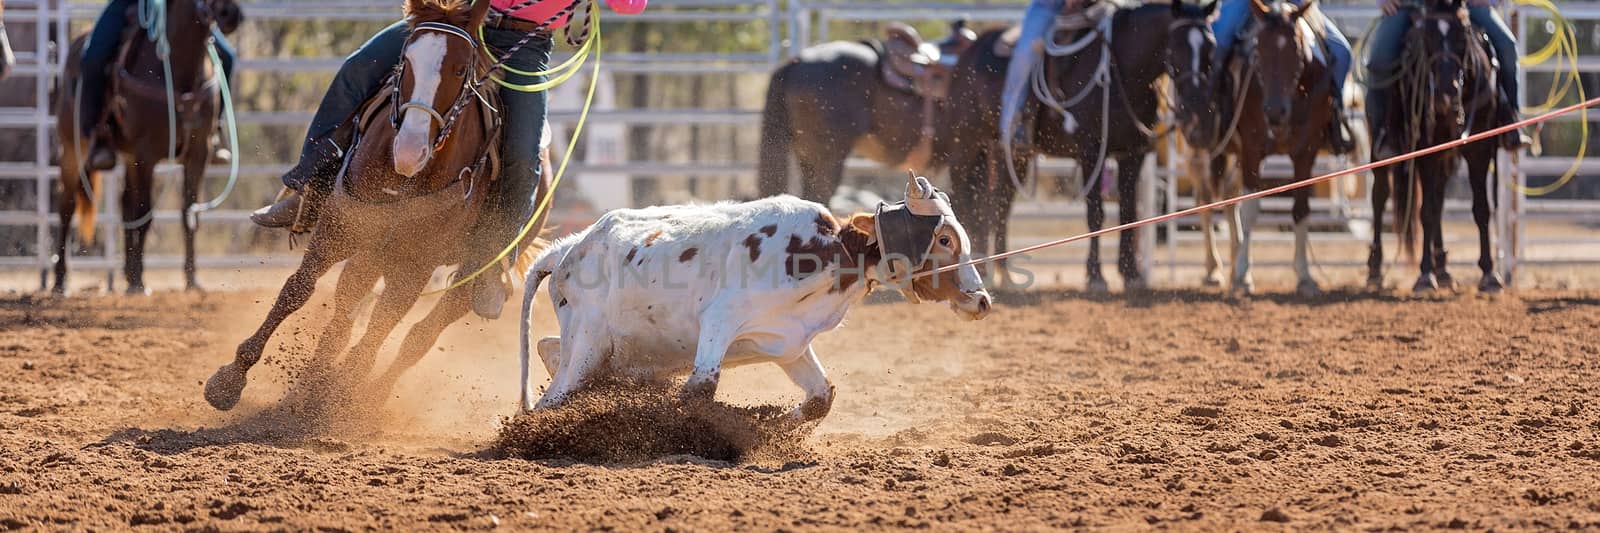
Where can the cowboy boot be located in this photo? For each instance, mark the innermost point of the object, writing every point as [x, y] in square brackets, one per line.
[491, 290]
[101, 156]
[1339, 142]
[297, 204]
[1505, 115]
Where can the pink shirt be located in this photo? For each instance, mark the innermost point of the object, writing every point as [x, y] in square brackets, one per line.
[544, 9]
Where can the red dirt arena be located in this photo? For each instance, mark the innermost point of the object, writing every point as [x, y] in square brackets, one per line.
[1173, 410]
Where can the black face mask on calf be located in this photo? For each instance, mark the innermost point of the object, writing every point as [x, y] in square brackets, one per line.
[906, 230]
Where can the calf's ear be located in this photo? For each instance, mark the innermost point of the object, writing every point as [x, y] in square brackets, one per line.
[864, 223]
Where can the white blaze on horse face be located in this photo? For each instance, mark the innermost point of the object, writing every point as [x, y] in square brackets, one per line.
[1444, 29]
[413, 145]
[1196, 38]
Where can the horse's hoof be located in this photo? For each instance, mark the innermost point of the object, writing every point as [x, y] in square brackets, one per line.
[1135, 285]
[1446, 281]
[137, 290]
[1212, 281]
[1375, 284]
[224, 387]
[1491, 284]
[194, 288]
[1097, 286]
[1308, 288]
[1425, 284]
[1244, 287]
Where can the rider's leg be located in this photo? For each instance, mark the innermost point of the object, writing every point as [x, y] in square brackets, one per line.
[1339, 69]
[363, 73]
[1505, 51]
[97, 53]
[511, 200]
[1231, 16]
[1383, 58]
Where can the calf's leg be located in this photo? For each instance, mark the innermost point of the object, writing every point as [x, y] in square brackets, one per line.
[807, 372]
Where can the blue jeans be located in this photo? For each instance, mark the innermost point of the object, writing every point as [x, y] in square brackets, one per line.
[1231, 16]
[523, 113]
[102, 45]
[1384, 53]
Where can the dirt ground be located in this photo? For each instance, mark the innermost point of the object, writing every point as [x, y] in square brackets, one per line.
[1174, 410]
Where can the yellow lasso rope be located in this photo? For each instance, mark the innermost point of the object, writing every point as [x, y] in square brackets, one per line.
[577, 61]
[1563, 45]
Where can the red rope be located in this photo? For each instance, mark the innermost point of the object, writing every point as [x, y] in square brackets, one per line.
[1279, 189]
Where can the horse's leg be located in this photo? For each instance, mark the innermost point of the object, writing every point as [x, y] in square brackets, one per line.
[1380, 199]
[1441, 262]
[66, 205]
[1478, 176]
[1096, 215]
[1250, 176]
[1426, 282]
[1128, 169]
[454, 305]
[1205, 193]
[1005, 195]
[136, 221]
[1306, 285]
[327, 247]
[969, 181]
[401, 288]
[194, 170]
[355, 282]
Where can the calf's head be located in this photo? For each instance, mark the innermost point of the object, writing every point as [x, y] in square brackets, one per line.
[919, 236]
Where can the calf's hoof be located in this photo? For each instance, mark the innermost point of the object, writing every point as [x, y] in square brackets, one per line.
[698, 390]
[1491, 283]
[224, 387]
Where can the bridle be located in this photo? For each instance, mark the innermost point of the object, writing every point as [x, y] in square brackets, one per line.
[447, 120]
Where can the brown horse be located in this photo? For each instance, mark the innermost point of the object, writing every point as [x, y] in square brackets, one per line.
[413, 188]
[864, 97]
[1114, 81]
[1281, 104]
[1445, 88]
[143, 131]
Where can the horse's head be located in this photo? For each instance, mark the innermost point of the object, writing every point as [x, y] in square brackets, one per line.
[437, 70]
[1444, 32]
[1190, 44]
[226, 14]
[1281, 52]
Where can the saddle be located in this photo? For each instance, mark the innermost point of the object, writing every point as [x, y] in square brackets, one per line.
[910, 64]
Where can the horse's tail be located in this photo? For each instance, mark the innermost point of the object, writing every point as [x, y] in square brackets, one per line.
[776, 135]
[85, 207]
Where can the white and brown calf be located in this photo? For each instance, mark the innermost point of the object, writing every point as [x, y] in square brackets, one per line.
[663, 291]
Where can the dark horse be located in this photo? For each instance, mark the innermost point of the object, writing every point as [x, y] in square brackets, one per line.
[413, 188]
[1445, 87]
[1112, 120]
[864, 96]
[1281, 102]
[139, 115]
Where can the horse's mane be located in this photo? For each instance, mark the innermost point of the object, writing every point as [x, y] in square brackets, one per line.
[456, 13]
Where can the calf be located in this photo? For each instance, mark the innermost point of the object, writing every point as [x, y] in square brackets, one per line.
[664, 291]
